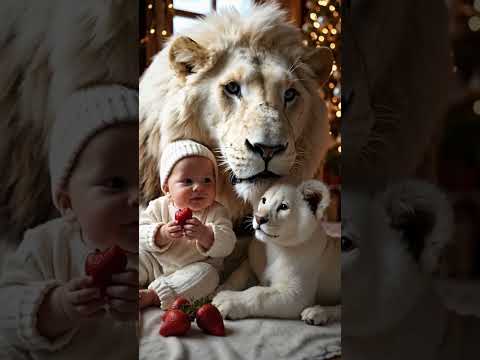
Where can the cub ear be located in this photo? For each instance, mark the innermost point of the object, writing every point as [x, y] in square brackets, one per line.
[317, 196]
[320, 60]
[423, 215]
[187, 57]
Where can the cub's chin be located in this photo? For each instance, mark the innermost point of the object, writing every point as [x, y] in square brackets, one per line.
[262, 236]
[284, 241]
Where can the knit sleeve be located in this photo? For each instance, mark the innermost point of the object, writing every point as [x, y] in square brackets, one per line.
[224, 237]
[151, 221]
[23, 288]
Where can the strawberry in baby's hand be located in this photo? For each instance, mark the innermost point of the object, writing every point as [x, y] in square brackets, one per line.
[101, 265]
[182, 215]
[210, 320]
[175, 323]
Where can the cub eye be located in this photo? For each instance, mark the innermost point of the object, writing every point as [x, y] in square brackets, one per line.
[347, 244]
[282, 207]
[233, 88]
[290, 95]
[264, 200]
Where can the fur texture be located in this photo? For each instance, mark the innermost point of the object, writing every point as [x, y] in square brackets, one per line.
[49, 49]
[387, 289]
[229, 86]
[288, 227]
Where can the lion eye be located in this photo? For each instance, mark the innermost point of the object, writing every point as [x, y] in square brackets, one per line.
[282, 207]
[233, 88]
[290, 94]
[264, 200]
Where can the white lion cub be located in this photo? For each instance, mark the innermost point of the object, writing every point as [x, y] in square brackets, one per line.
[298, 266]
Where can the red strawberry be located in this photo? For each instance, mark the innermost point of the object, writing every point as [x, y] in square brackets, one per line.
[182, 215]
[178, 303]
[210, 320]
[175, 323]
[101, 265]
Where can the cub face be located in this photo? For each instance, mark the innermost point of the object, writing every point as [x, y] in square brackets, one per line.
[287, 214]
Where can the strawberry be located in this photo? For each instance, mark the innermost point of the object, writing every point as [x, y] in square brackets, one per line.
[175, 323]
[210, 320]
[179, 303]
[101, 265]
[182, 215]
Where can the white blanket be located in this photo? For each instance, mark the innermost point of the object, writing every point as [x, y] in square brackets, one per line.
[250, 339]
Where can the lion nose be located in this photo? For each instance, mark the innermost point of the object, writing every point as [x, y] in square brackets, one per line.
[261, 219]
[267, 152]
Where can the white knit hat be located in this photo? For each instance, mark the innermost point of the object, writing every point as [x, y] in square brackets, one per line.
[178, 150]
[85, 113]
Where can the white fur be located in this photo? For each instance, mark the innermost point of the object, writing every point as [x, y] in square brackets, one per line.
[297, 264]
[391, 309]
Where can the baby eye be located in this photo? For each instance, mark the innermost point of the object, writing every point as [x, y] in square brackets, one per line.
[116, 183]
[264, 200]
[282, 207]
[207, 180]
[188, 182]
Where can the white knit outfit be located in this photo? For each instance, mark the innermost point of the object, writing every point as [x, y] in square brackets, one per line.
[181, 267]
[54, 253]
[50, 255]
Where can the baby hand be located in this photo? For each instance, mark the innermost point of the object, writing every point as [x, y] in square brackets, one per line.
[79, 299]
[171, 231]
[122, 295]
[195, 229]
[68, 303]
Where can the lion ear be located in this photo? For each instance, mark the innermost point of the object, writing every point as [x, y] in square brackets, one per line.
[317, 196]
[187, 56]
[320, 60]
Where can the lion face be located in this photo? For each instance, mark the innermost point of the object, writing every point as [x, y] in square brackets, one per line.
[288, 215]
[261, 104]
[247, 88]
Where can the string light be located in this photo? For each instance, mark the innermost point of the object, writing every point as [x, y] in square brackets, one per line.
[322, 27]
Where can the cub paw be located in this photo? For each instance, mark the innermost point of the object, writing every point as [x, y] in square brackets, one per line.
[229, 304]
[319, 315]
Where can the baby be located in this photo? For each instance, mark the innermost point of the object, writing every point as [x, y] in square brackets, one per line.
[51, 309]
[178, 260]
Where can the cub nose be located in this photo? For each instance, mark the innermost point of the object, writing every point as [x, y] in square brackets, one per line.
[267, 152]
[261, 219]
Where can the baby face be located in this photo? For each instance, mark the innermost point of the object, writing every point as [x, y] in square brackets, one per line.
[103, 189]
[192, 183]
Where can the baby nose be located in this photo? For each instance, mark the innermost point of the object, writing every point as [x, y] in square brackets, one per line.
[261, 219]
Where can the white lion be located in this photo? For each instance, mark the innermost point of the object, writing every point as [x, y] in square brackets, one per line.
[392, 244]
[296, 263]
[245, 86]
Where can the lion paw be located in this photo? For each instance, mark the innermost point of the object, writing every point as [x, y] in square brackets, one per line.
[320, 315]
[230, 305]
